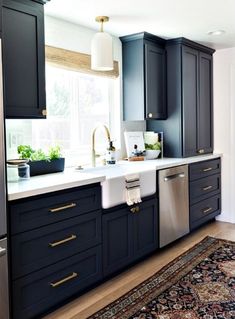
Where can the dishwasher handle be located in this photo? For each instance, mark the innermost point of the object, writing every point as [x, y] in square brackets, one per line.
[174, 176]
[3, 251]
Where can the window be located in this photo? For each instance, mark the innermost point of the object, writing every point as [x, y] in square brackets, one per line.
[76, 104]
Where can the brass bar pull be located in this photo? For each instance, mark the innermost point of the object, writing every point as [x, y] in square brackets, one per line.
[207, 169]
[59, 209]
[207, 210]
[207, 188]
[63, 241]
[64, 280]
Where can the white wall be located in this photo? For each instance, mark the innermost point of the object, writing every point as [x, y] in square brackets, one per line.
[224, 126]
[66, 35]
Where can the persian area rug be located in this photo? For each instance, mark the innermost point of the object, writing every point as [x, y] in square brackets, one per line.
[199, 284]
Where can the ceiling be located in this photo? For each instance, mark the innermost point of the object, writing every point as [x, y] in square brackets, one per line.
[192, 19]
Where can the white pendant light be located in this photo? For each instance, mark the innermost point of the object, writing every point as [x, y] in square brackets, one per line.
[102, 48]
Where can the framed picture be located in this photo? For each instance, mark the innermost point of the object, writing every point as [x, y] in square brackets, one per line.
[134, 140]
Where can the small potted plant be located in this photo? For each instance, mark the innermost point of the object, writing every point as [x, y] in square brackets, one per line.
[41, 163]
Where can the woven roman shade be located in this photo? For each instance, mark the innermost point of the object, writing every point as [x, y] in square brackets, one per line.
[76, 61]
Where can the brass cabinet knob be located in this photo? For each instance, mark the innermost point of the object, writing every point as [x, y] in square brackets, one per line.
[44, 112]
[201, 151]
[135, 209]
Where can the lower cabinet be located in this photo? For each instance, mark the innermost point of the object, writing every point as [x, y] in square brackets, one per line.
[39, 291]
[205, 192]
[56, 250]
[129, 233]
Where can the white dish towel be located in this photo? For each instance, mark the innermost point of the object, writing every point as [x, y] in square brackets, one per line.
[133, 189]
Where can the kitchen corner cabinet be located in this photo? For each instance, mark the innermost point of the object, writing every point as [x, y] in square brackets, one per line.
[23, 59]
[144, 77]
[129, 233]
[188, 130]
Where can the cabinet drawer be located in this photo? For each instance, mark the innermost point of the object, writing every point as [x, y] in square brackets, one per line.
[205, 208]
[39, 248]
[38, 292]
[203, 169]
[204, 188]
[42, 210]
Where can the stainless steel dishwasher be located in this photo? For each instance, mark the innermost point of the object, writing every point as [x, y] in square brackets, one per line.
[173, 204]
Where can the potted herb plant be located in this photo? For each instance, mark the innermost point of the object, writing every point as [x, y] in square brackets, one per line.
[41, 163]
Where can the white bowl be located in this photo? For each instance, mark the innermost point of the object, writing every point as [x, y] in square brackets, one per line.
[152, 154]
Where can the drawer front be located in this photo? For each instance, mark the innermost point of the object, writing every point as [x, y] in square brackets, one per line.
[47, 209]
[204, 188]
[205, 208]
[40, 291]
[39, 248]
[203, 169]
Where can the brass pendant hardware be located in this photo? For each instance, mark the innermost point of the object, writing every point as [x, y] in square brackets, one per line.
[64, 280]
[102, 20]
[207, 188]
[59, 209]
[63, 241]
[207, 210]
[207, 169]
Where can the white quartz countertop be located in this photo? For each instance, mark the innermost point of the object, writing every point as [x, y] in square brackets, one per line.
[71, 178]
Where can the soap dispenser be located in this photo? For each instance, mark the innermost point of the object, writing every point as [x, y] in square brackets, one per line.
[111, 154]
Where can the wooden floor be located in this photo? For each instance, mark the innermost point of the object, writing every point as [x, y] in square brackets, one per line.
[99, 297]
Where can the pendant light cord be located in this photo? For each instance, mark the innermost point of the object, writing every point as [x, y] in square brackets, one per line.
[102, 26]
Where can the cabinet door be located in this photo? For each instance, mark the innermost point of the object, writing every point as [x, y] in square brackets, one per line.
[155, 82]
[23, 59]
[204, 115]
[190, 100]
[117, 240]
[145, 228]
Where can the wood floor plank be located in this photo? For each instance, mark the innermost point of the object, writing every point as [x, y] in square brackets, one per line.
[97, 298]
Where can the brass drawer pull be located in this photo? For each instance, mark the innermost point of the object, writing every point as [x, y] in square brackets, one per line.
[206, 210]
[64, 280]
[63, 241]
[201, 151]
[135, 209]
[59, 209]
[207, 188]
[207, 169]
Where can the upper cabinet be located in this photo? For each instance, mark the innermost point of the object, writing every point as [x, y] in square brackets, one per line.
[188, 130]
[23, 58]
[144, 77]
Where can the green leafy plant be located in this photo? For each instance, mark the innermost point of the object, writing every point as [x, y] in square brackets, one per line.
[155, 147]
[26, 152]
[39, 155]
[54, 152]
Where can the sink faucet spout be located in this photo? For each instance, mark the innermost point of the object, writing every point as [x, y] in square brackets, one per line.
[93, 152]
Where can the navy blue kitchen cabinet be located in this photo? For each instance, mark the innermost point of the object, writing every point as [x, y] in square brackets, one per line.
[56, 249]
[204, 192]
[129, 233]
[23, 59]
[188, 130]
[144, 77]
[40, 291]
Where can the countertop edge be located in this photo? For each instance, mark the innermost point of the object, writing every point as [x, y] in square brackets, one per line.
[54, 188]
[20, 194]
